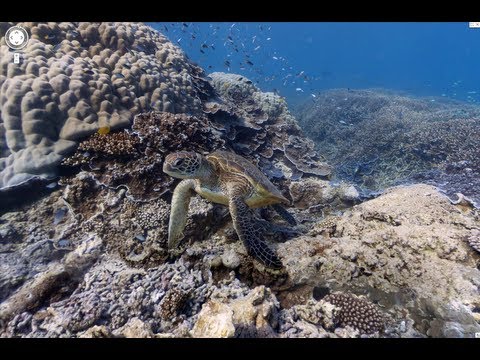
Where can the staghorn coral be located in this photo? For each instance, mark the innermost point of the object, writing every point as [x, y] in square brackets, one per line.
[77, 77]
[356, 312]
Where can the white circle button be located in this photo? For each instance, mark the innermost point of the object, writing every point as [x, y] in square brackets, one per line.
[16, 37]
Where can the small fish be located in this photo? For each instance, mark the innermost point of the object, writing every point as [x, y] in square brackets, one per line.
[227, 63]
[204, 46]
[313, 95]
[232, 26]
[229, 38]
[165, 27]
[140, 237]
[275, 58]
[249, 62]
[51, 185]
[203, 52]
[180, 39]
[184, 24]
[103, 130]
[210, 66]
[253, 38]
[63, 243]
[269, 39]
[193, 37]
[258, 47]
[299, 89]
[471, 92]
[213, 47]
[58, 216]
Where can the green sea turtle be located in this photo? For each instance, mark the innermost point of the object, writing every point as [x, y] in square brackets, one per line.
[225, 178]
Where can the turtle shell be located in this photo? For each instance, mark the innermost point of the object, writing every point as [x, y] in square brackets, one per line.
[229, 162]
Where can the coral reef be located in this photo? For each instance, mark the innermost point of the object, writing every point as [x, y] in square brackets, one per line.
[409, 246]
[397, 139]
[406, 250]
[259, 126]
[139, 154]
[88, 258]
[77, 77]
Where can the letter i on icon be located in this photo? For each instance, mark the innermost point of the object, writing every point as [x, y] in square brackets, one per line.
[16, 58]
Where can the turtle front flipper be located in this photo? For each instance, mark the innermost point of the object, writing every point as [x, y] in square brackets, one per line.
[179, 210]
[250, 232]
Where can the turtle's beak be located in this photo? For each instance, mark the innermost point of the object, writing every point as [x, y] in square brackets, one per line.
[167, 168]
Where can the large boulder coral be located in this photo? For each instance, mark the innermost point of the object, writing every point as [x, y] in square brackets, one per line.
[74, 78]
[408, 248]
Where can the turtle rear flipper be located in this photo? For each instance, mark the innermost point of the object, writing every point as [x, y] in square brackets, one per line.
[284, 214]
[250, 232]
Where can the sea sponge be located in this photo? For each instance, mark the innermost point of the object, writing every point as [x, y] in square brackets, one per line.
[356, 312]
[74, 78]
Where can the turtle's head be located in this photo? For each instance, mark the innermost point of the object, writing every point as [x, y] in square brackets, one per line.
[184, 165]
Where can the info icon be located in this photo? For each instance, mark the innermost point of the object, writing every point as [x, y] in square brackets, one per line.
[16, 37]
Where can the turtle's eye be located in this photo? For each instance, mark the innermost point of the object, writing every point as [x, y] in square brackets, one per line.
[178, 162]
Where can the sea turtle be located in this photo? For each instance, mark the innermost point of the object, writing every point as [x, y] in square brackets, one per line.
[229, 179]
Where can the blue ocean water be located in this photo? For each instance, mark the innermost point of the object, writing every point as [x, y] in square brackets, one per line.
[300, 59]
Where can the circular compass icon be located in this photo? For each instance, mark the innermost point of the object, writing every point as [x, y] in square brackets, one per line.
[16, 37]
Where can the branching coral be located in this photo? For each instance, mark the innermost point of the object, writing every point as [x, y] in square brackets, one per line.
[397, 138]
[114, 144]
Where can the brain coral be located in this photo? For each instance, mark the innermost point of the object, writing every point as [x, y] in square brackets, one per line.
[76, 77]
[357, 312]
